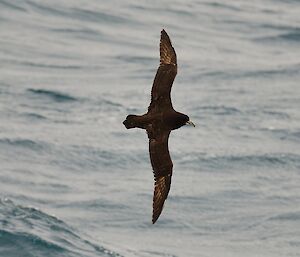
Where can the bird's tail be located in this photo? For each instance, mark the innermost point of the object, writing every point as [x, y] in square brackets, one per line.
[131, 121]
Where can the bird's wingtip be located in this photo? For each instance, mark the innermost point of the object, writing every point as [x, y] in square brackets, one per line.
[154, 219]
[163, 31]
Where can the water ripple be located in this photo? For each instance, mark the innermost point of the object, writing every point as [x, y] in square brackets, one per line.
[56, 96]
[25, 143]
[274, 160]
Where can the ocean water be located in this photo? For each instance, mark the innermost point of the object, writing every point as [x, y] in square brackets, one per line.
[74, 182]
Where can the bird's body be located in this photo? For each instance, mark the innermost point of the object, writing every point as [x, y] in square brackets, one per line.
[159, 121]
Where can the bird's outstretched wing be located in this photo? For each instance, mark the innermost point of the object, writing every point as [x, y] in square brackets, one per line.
[162, 167]
[165, 75]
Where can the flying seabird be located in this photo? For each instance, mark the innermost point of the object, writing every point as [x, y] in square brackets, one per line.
[159, 121]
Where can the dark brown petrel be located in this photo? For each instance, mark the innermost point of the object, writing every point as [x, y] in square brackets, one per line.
[159, 121]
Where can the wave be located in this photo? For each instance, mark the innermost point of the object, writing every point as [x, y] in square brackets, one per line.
[17, 242]
[12, 6]
[237, 74]
[76, 13]
[91, 158]
[281, 133]
[289, 33]
[26, 143]
[136, 59]
[80, 33]
[35, 233]
[54, 95]
[224, 6]
[219, 110]
[49, 66]
[107, 104]
[34, 116]
[255, 160]
[289, 216]
[292, 35]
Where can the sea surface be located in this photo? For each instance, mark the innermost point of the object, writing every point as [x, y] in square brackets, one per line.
[74, 182]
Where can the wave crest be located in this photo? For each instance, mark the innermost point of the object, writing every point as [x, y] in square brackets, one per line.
[56, 96]
[35, 233]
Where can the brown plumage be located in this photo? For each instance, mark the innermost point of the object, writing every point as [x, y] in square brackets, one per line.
[159, 121]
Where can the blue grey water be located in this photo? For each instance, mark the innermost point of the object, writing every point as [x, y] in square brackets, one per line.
[74, 182]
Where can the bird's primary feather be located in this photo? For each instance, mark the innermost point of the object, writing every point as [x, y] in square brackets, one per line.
[165, 75]
[162, 168]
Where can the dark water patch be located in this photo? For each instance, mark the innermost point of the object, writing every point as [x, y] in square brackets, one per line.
[34, 116]
[264, 159]
[27, 182]
[24, 177]
[50, 66]
[290, 70]
[110, 103]
[54, 111]
[291, 36]
[213, 74]
[72, 31]
[46, 9]
[136, 59]
[290, 216]
[91, 158]
[278, 114]
[282, 134]
[134, 110]
[156, 253]
[264, 73]
[5, 89]
[283, 200]
[23, 198]
[78, 14]
[12, 6]
[188, 199]
[163, 10]
[20, 220]
[12, 180]
[280, 27]
[270, 73]
[237, 194]
[97, 204]
[287, 1]
[178, 12]
[28, 245]
[238, 161]
[98, 16]
[54, 95]
[35, 233]
[296, 134]
[223, 6]
[83, 33]
[212, 202]
[24, 143]
[219, 110]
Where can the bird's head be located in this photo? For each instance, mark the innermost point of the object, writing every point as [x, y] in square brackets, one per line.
[181, 120]
[189, 122]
